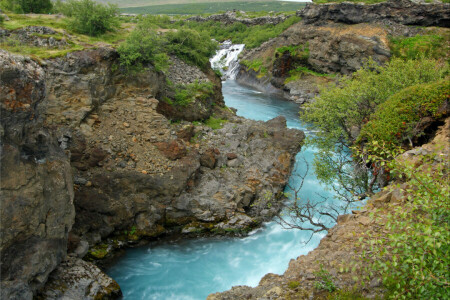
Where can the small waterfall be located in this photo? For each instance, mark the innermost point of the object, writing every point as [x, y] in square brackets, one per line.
[226, 59]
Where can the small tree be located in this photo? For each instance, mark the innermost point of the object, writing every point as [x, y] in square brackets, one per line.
[91, 18]
[28, 6]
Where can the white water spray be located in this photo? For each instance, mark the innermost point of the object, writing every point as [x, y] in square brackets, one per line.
[226, 59]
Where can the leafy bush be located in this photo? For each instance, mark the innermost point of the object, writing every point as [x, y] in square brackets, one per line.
[28, 6]
[142, 46]
[395, 120]
[434, 46]
[341, 110]
[90, 17]
[324, 280]
[412, 252]
[191, 46]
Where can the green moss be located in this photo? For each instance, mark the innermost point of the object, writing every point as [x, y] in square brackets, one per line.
[215, 123]
[293, 284]
[394, 120]
[298, 73]
[98, 252]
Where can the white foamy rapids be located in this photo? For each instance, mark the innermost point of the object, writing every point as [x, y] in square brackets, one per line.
[226, 59]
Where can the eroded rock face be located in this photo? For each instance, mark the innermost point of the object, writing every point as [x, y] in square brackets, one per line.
[403, 12]
[36, 208]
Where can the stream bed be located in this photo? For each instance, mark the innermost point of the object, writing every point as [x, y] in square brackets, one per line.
[195, 268]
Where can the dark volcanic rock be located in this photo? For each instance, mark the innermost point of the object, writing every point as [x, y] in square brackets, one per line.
[404, 12]
[36, 208]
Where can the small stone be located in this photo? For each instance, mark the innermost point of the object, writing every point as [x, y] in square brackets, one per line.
[144, 172]
[125, 124]
[88, 184]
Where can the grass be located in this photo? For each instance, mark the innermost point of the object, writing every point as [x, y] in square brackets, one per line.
[215, 123]
[297, 74]
[431, 45]
[215, 7]
[76, 42]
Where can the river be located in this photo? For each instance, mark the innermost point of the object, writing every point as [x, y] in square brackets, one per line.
[192, 269]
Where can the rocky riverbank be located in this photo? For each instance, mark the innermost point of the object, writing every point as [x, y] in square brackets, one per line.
[339, 260]
[334, 39]
[101, 159]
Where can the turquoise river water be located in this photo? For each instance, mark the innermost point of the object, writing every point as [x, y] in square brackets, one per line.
[192, 269]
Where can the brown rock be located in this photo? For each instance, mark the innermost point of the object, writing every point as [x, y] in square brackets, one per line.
[208, 159]
[172, 150]
[231, 156]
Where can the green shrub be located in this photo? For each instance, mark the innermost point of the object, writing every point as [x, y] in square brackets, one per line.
[90, 17]
[324, 280]
[395, 120]
[142, 46]
[433, 46]
[28, 6]
[191, 46]
[411, 252]
[341, 110]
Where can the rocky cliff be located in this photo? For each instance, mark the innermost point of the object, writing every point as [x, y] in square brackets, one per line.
[333, 39]
[403, 12]
[36, 210]
[99, 159]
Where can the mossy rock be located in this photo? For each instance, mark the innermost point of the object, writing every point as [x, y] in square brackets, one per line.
[395, 122]
[98, 252]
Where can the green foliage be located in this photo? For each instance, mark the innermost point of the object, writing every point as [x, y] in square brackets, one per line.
[298, 72]
[191, 46]
[142, 46]
[28, 6]
[395, 120]
[215, 123]
[433, 46]
[185, 94]
[413, 256]
[90, 17]
[239, 33]
[324, 280]
[256, 65]
[341, 110]
[298, 51]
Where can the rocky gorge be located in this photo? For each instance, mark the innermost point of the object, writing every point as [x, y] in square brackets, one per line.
[98, 165]
[94, 160]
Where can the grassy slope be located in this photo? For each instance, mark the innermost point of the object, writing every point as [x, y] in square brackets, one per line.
[75, 41]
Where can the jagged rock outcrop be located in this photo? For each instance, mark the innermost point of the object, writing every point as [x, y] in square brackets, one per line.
[36, 210]
[403, 12]
[336, 38]
[230, 17]
[340, 251]
[78, 279]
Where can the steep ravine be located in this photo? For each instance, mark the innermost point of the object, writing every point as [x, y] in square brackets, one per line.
[133, 174]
